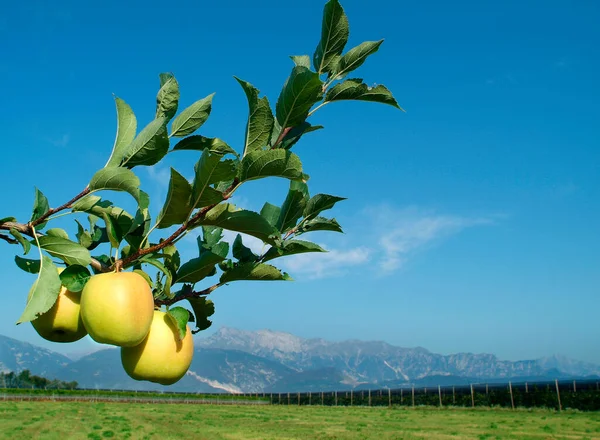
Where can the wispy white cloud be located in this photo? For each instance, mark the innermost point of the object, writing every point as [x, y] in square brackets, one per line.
[389, 237]
[404, 232]
[159, 175]
[336, 262]
[384, 237]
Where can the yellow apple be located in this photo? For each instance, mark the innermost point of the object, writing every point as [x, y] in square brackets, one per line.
[117, 308]
[162, 357]
[62, 323]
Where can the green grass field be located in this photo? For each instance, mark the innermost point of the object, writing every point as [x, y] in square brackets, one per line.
[57, 420]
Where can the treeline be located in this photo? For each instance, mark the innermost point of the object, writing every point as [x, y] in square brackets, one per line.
[132, 394]
[25, 379]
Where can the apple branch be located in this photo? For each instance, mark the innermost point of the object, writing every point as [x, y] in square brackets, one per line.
[61, 207]
[28, 230]
[175, 235]
[8, 239]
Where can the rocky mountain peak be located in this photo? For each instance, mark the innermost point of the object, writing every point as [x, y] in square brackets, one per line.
[255, 341]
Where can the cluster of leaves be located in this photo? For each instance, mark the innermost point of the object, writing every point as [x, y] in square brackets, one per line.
[203, 202]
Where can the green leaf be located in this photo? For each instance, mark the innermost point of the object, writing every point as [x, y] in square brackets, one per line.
[300, 92]
[166, 288]
[293, 206]
[58, 232]
[83, 237]
[225, 171]
[165, 77]
[19, 237]
[203, 308]
[192, 118]
[121, 221]
[354, 89]
[172, 258]
[301, 60]
[126, 127]
[227, 216]
[75, 277]
[30, 266]
[292, 247]
[355, 57]
[294, 135]
[117, 179]
[149, 146]
[40, 207]
[113, 231]
[270, 163]
[86, 203]
[320, 224]
[241, 252]
[202, 193]
[99, 236]
[167, 98]
[275, 133]
[43, 293]
[140, 225]
[200, 143]
[270, 213]
[100, 208]
[254, 272]
[211, 236]
[334, 36]
[67, 250]
[177, 206]
[320, 203]
[8, 219]
[260, 119]
[180, 318]
[199, 268]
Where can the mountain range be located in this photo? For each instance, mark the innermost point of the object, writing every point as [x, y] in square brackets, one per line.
[232, 360]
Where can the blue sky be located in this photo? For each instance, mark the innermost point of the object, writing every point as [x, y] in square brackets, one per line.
[472, 221]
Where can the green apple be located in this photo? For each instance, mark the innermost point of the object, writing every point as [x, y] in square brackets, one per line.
[62, 323]
[162, 357]
[117, 308]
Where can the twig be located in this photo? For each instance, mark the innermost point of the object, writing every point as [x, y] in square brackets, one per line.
[8, 239]
[283, 134]
[175, 235]
[61, 207]
[187, 295]
[28, 230]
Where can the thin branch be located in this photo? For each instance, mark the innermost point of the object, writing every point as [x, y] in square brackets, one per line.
[283, 134]
[187, 295]
[28, 230]
[175, 235]
[8, 239]
[67, 205]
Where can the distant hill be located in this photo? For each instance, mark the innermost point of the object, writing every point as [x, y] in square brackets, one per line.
[234, 360]
[16, 356]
